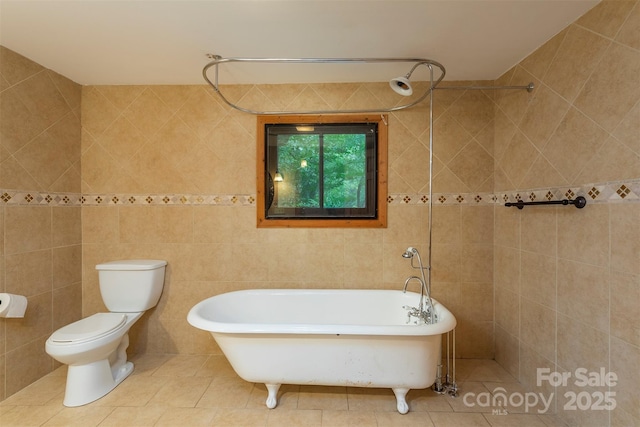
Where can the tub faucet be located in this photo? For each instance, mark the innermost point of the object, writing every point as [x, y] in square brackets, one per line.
[420, 312]
[428, 315]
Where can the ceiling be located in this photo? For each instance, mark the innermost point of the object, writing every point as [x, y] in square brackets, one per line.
[166, 42]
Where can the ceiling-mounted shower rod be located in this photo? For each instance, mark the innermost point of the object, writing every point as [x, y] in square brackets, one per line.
[400, 84]
[528, 88]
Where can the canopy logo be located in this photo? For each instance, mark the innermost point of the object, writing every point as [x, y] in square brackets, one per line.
[500, 401]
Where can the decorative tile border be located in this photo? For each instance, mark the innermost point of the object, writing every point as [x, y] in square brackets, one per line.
[35, 198]
[167, 199]
[610, 192]
[443, 199]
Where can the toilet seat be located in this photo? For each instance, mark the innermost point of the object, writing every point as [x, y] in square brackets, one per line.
[90, 328]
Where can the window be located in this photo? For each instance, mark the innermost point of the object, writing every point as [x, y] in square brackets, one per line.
[322, 171]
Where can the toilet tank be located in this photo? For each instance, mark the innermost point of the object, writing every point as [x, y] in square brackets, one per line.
[131, 286]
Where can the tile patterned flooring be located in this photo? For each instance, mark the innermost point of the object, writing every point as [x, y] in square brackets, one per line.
[196, 390]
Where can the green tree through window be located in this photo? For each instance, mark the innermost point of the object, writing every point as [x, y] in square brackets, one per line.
[326, 170]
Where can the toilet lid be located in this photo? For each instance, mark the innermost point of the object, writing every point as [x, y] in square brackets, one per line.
[89, 328]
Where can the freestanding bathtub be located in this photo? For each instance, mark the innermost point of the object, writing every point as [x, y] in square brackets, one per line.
[331, 337]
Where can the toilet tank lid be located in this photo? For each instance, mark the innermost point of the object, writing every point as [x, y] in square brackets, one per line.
[132, 264]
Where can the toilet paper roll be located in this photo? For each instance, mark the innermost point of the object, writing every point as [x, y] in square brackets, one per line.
[12, 305]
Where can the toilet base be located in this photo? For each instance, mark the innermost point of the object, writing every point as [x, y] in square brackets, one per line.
[90, 382]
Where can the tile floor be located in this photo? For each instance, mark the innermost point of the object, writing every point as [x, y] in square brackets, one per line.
[190, 390]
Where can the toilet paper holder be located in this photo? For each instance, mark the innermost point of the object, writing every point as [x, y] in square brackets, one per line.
[12, 305]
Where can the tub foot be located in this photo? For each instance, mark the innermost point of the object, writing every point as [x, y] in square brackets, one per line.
[272, 398]
[402, 405]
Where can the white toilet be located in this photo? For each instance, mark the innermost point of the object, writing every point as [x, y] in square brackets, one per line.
[95, 347]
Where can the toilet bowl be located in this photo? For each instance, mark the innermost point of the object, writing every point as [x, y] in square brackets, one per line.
[95, 347]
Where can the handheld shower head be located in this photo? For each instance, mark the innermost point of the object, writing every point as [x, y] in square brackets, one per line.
[401, 85]
[409, 252]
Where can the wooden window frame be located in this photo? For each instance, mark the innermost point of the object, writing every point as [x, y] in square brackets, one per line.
[382, 158]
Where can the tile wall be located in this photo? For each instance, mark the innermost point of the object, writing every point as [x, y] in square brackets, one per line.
[169, 172]
[567, 281]
[40, 240]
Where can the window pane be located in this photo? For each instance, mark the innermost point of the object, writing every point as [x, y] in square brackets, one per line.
[345, 168]
[301, 184]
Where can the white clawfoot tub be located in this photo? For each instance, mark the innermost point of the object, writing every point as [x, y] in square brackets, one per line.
[331, 337]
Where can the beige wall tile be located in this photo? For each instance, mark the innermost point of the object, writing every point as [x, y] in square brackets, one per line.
[473, 166]
[121, 139]
[530, 361]
[473, 110]
[577, 57]
[67, 305]
[507, 315]
[27, 228]
[449, 137]
[607, 102]
[539, 278]
[614, 161]
[627, 132]
[476, 263]
[506, 268]
[155, 224]
[29, 273]
[515, 103]
[475, 302]
[542, 174]
[607, 17]
[543, 115]
[539, 231]
[474, 340]
[362, 264]
[629, 34]
[583, 294]
[625, 359]
[26, 364]
[15, 68]
[625, 238]
[447, 225]
[13, 175]
[446, 263]
[35, 324]
[540, 60]
[66, 266]
[538, 328]
[19, 124]
[97, 111]
[625, 311]
[409, 165]
[584, 236]
[40, 151]
[98, 169]
[100, 224]
[574, 143]
[65, 226]
[226, 224]
[506, 351]
[518, 158]
[580, 346]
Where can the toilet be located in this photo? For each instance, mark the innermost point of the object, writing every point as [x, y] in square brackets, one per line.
[95, 347]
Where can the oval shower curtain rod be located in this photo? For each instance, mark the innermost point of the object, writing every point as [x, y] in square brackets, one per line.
[400, 85]
[403, 84]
